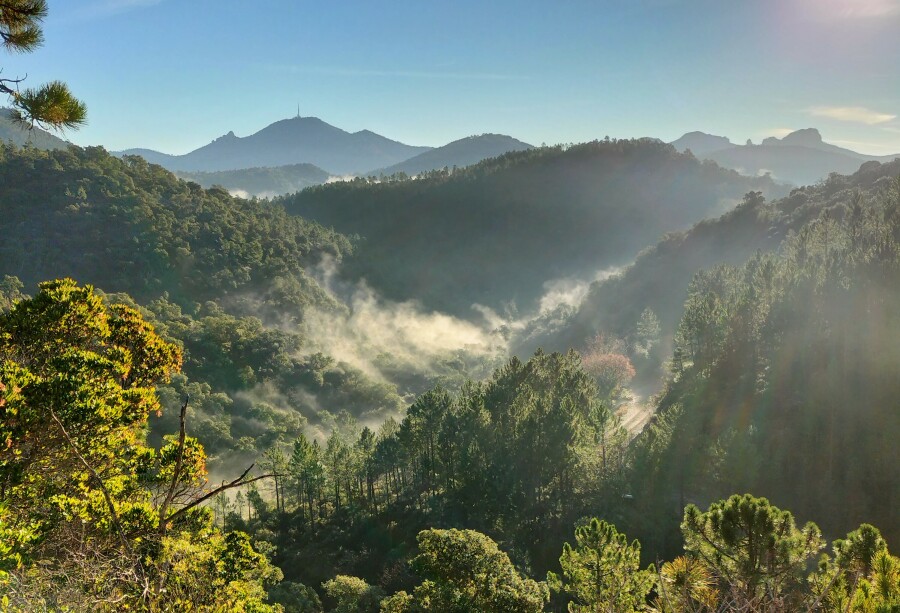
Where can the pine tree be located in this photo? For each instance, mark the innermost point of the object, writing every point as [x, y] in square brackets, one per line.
[52, 104]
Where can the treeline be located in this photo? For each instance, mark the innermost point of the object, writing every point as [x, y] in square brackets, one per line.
[742, 554]
[263, 182]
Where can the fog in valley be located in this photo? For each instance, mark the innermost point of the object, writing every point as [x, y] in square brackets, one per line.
[472, 308]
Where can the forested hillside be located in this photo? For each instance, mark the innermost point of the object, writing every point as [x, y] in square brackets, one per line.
[609, 377]
[660, 275]
[783, 377]
[383, 492]
[125, 225]
[226, 279]
[526, 218]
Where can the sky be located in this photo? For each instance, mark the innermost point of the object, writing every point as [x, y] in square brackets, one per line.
[172, 75]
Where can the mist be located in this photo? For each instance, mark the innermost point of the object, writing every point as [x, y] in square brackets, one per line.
[374, 327]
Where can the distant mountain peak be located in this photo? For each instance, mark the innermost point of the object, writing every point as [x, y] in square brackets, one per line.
[701, 143]
[291, 141]
[807, 137]
[460, 153]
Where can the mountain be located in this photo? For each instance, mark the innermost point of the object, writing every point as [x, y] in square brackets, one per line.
[701, 143]
[301, 140]
[496, 232]
[459, 153]
[261, 182]
[14, 132]
[129, 226]
[659, 277]
[800, 158]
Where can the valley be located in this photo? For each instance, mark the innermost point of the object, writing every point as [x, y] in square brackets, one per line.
[476, 333]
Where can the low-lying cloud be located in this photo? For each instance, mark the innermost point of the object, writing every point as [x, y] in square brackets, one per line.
[374, 326]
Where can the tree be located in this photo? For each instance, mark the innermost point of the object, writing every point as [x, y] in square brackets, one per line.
[685, 585]
[601, 573]
[862, 576]
[646, 334]
[605, 360]
[90, 516]
[352, 595]
[753, 548]
[296, 597]
[465, 571]
[51, 104]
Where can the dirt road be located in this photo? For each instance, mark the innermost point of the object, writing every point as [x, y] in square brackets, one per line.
[634, 415]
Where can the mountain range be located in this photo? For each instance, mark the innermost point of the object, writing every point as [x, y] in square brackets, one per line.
[292, 154]
[301, 140]
[800, 158]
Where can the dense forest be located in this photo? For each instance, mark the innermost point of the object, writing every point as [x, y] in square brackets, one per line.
[488, 389]
[526, 217]
[445, 488]
[231, 281]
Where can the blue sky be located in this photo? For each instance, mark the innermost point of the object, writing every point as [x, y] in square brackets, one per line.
[174, 74]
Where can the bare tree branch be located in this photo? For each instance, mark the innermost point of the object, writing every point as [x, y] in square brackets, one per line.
[179, 460]
[225, 486]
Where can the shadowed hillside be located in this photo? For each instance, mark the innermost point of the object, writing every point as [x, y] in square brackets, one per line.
[495, 232]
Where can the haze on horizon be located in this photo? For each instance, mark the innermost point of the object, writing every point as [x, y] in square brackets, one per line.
[172, 76]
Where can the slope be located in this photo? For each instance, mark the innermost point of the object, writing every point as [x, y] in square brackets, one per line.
[459, 153]
[11, 131]
[659, 277]
[495, 232]
[301, 140]
[125, 225]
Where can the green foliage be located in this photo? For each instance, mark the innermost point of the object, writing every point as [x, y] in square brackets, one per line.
[602, 571]
[520, 456]
[295, 597]
[51, 104]
[782, 373]
[352, 595]
[686, 585]
[464, 571]
[862, 576]
[88, 512]
[10, 292]
[576, 209]
[129, 226]
[753, 549]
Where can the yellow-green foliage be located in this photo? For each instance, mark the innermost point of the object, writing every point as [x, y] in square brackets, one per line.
[91, 517]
